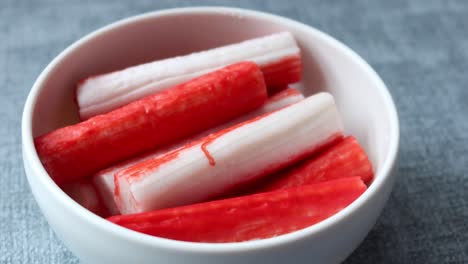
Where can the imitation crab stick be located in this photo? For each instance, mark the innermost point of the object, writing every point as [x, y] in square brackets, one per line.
[104, 179]
[220, 161]
[277, 55]
[249, 217]
[82, 149]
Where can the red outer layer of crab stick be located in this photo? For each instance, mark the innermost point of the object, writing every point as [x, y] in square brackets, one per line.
[249, 217]
[80, 150]
[239, 154]
[277, 55]
[104, 179]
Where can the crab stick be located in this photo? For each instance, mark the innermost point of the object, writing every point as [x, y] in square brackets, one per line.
[220, 161]
[248, 217]
[277, 55]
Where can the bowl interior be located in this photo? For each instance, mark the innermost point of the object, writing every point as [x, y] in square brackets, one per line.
[366, 107]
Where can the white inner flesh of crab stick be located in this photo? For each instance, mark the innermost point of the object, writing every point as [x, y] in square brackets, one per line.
[103, 93]
[223, 160]
[104, 180]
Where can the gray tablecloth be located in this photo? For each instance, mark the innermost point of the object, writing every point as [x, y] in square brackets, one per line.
[420, 48]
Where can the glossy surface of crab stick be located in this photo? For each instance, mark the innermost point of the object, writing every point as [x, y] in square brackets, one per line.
[220, 161]
[80, 150]
[277, 55]
[249, 217]
[104, 179]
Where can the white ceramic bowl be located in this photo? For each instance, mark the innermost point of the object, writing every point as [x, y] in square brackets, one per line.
[366, 106]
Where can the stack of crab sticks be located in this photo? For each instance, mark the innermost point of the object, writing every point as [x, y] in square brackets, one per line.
[214, 146]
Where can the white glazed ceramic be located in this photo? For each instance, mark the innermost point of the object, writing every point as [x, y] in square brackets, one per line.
[366, 106]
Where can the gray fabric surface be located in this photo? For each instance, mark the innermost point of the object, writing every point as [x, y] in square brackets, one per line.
[420, 49]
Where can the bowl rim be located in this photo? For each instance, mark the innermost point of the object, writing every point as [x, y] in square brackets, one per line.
[30, 156]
